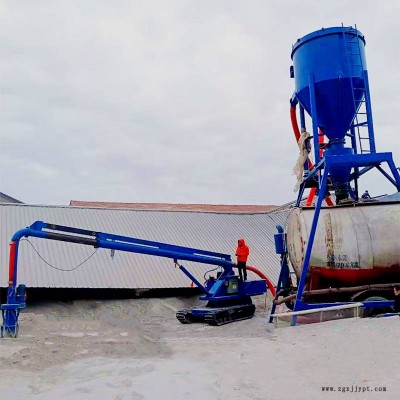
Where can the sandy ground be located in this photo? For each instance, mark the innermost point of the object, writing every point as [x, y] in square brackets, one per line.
[137, 350]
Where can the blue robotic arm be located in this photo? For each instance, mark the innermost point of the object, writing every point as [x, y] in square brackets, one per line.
[225, 290]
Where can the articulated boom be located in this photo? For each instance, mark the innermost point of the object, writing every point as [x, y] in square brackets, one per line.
[228, 299]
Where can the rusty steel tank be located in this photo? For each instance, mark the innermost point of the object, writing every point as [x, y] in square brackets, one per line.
[354, 245]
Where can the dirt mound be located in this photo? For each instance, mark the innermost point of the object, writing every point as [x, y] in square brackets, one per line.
[56, 333]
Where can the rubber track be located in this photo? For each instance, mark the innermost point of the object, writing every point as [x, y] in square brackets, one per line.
[218, 316]
[227, 315]
[183, 316]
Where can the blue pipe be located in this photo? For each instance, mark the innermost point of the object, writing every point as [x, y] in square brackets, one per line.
[159, 245]
[302, 118]
[198, 284]
[283, 279]
[164, 253]
[20, 234]
[114, 242]
[369, 113]
[310, 243]
[123, 243]
[314, 120]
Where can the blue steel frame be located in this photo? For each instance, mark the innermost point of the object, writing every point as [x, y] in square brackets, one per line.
[340, 159]
[39, 229]
[340, 165]
[284, 275]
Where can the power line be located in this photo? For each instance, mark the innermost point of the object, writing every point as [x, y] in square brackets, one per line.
[57, 268]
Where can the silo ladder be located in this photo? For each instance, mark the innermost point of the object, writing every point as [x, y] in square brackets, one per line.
[362, 110]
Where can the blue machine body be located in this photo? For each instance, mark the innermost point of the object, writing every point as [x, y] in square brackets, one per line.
[225, 290]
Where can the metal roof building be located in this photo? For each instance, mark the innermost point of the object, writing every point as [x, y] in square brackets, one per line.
[218, 208]
[204, 230]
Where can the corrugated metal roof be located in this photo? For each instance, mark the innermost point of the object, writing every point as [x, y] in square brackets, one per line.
[210, 231]
[221, 208]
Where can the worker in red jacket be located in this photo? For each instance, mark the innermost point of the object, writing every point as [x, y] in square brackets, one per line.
[242, 252]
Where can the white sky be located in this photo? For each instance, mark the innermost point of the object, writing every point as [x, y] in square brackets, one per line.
[170, 101]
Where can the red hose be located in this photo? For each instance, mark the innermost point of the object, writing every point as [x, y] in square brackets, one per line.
[295, 126]
[311, 196]
[11, 265]
[263, 276]
[296, 132]
[329, 201]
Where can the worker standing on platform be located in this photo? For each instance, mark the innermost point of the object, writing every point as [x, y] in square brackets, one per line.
[242, 252]
[366, 195]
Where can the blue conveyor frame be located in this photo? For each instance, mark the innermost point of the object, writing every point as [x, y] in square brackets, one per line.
[217, 292]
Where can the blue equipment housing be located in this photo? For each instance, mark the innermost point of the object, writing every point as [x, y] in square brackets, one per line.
[228, 299]
[335, 74]
[331, 85]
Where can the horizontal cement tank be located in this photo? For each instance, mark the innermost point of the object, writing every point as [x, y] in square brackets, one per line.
[355, 245]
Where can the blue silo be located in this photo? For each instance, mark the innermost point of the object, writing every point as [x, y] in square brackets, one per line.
[331, 85]
[336, 59]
